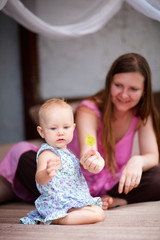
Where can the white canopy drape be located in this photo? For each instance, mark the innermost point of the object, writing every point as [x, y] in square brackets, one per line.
[98, 15]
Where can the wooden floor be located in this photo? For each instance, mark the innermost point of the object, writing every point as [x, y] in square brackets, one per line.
[136, 221]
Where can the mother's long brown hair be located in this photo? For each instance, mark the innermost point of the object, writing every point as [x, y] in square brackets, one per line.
[130, 62]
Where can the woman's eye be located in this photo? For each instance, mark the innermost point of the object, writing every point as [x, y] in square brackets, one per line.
[118, 85]
[66, 127]
[134, 89]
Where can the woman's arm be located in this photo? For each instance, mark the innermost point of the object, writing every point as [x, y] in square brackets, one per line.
[47, 165]
[148, 158]
[148, 145]
[87, 123]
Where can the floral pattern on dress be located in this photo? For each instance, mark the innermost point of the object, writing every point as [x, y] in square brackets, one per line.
[68, 189]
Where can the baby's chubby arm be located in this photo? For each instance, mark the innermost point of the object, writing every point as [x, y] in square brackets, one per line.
[48, 162]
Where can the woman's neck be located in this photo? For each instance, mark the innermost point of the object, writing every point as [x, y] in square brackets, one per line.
[121, 115]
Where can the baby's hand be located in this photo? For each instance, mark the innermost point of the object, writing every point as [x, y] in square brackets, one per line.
[51, 167]
[92, 161]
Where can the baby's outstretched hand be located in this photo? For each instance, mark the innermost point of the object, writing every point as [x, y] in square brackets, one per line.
[51, 167]
[92, 161]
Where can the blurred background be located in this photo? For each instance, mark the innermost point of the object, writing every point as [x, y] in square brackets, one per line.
[34, 68]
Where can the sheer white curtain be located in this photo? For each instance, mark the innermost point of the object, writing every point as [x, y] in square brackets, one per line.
[150, 8]
[98, 15]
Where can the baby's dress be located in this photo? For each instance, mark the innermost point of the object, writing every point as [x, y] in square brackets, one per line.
[68, 189]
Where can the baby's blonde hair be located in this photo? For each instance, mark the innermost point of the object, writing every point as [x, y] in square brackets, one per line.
[53, 102]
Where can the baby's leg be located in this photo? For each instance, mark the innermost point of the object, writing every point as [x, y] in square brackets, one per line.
[84, 215]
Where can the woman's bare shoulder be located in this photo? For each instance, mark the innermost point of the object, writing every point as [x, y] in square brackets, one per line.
[85, 111]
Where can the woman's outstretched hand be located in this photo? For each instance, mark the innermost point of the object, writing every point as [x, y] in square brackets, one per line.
[92, 161]
[131, 175]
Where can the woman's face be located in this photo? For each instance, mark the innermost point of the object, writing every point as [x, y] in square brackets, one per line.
[126, 90]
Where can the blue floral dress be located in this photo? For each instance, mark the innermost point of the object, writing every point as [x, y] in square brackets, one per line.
[68, 189]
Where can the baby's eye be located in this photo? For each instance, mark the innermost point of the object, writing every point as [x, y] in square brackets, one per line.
[66, 127]
[53, 128]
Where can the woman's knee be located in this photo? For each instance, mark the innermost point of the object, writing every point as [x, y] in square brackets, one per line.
[154, 175]
[154, 182]
[6, 193]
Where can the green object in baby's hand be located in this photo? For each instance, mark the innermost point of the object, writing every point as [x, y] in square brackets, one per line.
[90, 140]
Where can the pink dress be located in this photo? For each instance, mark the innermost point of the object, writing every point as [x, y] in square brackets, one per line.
[99, 183]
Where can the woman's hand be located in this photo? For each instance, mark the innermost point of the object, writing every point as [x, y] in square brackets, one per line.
[92, 161]
[131, 175]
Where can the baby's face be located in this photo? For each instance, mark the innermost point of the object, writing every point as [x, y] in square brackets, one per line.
[58, 126]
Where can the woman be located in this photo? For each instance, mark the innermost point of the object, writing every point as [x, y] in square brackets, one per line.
[113, 116]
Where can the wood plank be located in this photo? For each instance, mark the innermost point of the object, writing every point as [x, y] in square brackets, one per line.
[135, 221]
